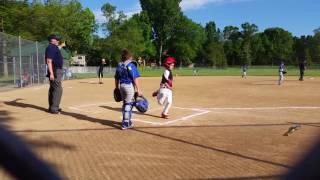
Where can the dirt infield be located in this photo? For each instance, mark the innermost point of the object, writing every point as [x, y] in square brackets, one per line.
[219, 128]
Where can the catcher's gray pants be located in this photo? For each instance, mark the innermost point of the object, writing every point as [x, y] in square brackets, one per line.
[55, 91]
[127, 94]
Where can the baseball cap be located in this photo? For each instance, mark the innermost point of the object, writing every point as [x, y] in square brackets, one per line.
[53, 36]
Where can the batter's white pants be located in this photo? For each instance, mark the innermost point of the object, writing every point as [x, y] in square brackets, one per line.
[165, 99]
[281, 78]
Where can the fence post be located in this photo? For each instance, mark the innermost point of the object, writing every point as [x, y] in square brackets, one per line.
[5, 56]
[14, 71]
[31, 69]
[20, 62]
[37, 56]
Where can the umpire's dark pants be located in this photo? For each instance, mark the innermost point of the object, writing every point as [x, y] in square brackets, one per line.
[301, 74]
[55, 91]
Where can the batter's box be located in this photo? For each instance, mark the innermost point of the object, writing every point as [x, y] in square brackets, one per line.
[177, 114]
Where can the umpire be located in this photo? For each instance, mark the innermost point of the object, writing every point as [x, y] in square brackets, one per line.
[302, 68]
[54, 63]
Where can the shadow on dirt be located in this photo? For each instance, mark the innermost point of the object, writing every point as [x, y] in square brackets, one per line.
[77, 116]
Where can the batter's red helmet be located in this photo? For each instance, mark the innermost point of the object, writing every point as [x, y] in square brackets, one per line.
[168, 61]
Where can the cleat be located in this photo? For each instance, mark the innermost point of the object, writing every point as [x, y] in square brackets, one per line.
[165, 116]
[154, 94]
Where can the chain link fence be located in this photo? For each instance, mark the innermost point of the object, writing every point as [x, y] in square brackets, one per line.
[21, 62]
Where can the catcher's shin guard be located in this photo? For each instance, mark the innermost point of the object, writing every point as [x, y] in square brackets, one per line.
[126, 115]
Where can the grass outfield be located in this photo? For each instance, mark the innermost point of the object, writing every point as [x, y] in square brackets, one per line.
[231, 71]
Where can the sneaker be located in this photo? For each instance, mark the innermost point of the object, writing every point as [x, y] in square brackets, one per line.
[54, 112]
[126, 127]
[165, 116]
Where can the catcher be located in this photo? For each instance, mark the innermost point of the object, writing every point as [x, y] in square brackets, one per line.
[126, 80]
[164, 94]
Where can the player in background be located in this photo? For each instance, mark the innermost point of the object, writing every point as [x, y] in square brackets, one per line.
[282, 71]
[164, 94]
[302, 68]
[126, 79]
[100, 70]
[244, 69]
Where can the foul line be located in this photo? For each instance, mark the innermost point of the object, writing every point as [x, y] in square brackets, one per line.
[199, 111]
[185, 118]
[263, 108]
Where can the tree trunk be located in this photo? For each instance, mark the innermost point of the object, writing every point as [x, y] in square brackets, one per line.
[5, 59]
[160, 52]
[5, 66]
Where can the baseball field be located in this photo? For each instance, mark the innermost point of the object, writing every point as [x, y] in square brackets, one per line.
[219, 128]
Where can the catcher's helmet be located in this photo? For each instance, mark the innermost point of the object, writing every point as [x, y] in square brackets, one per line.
[141, 104]
[117, 95]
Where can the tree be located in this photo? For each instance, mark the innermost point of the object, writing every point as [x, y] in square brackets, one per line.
[67, 19]
[231, 33]
[316, 30]
[258, 50]
[245, 53]
[186, 41]
[133, 34]
[163, 17]
[114, 20]
[279, 44]
[232, 44]
[215, 55]
[213, 48]
[315, 48]
[211, 32]
[248, 30]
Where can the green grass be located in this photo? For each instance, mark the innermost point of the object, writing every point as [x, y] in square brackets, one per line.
[233, 71]
[230, 71]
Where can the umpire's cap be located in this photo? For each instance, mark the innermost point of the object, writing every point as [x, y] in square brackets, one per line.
[53, 36]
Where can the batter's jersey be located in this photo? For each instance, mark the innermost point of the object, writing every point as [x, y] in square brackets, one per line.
[167, 78]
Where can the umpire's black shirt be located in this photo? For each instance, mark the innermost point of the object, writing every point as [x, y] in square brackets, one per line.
[53, 52]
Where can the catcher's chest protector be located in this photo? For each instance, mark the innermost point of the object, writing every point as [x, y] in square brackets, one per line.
[123, 71]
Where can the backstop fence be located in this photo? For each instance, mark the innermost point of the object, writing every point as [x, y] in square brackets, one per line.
[21, 61]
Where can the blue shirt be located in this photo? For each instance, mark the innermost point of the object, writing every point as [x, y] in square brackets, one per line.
[126, 73]
[53, 53]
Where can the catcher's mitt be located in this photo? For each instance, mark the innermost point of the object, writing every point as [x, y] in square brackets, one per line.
[117, 95]
[284, 72]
